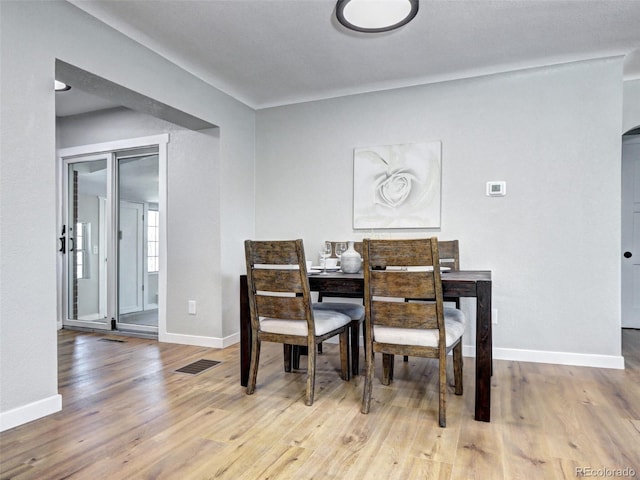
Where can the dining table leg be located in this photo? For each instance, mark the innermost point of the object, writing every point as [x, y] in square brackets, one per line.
[484, 355]
[245, 332]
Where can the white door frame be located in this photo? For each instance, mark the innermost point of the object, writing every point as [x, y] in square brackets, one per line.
[65, 154]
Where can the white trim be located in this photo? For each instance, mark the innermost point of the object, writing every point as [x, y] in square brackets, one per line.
[163, 238]
[32, 411]
[199, 341]
[556, 358]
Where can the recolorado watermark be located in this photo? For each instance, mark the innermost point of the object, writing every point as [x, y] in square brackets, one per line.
[605, 472]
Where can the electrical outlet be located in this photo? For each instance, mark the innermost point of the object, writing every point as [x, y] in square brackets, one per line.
[192, 307]
[494, 316]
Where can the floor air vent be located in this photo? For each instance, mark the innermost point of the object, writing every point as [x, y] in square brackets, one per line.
[112, 340]
[198, 367]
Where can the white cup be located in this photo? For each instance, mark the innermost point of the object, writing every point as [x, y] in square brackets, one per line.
[309, 263]
[331, 262]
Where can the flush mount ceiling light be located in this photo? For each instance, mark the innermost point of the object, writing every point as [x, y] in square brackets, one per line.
[373, 16]
[62, 87]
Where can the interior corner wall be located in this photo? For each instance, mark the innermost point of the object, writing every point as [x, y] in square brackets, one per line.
[552, 243]
[32, 36]
[631, 114]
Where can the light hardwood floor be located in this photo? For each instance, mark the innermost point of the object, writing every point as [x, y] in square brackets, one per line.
[127, 415]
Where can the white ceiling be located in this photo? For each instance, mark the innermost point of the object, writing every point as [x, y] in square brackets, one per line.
[273, 52]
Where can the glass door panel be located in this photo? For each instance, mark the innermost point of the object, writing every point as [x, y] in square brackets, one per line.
[138, 190]
[86, 244]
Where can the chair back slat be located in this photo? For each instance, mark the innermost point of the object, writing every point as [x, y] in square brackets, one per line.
[277, 280]
[449, 252]
[406, 284]
[290, 308]
[277, 252]
[404, 314]
[400, 253]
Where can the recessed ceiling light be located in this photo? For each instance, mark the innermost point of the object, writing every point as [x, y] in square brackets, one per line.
[62, 87]
[373, 16]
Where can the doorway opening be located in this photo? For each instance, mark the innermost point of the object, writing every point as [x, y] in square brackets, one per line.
[630, 220]
[113, 235]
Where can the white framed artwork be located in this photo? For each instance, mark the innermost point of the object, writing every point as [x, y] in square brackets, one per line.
[397, 186]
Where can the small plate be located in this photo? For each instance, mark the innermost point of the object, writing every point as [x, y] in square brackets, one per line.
[329, 269]
[413, 269]
[314, 271]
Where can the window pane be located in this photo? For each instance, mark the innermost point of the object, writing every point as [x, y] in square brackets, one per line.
[153, 237]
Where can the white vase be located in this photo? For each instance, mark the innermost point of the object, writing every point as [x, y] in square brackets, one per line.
[350, 260]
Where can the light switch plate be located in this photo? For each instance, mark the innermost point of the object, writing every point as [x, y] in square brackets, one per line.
[496, 189]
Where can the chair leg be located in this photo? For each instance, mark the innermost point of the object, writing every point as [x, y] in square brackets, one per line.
[253, 367]
[442, 361]
[368, 380]
[457, 368]
[287, 351]
[295, 357]
[355, 347]
[387, 368]
[311, 375]
[344, 355]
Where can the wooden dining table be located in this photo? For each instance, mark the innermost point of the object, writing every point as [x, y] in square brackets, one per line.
[464, 283]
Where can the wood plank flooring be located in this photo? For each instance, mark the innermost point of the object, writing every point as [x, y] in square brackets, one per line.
[128, 415]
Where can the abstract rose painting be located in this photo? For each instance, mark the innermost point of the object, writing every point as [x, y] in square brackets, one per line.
[397, 186]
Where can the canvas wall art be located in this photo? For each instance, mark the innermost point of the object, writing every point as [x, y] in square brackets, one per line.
[397, 186]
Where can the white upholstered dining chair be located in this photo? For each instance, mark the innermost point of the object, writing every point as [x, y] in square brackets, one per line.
[281, 308]
[396, 269]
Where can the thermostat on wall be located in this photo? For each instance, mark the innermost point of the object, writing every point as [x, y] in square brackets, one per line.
[496, 189]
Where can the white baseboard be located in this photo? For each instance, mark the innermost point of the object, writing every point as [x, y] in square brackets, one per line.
[32, 411]
[557, 358]
[513, 354]
[199, 341]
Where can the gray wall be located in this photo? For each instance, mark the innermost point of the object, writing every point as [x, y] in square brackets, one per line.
[32, 36]
[631, 117]
[553, 243]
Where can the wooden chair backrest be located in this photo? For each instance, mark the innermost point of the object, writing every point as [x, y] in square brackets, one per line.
[449, 254]
[403, 269]
[277, 281]
[356, 245]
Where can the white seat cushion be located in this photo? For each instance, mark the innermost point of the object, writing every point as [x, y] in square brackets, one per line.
[454, 324]
[325, 321]
[352, 310]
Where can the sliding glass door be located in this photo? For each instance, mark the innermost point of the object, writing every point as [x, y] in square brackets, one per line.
[110, 240]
